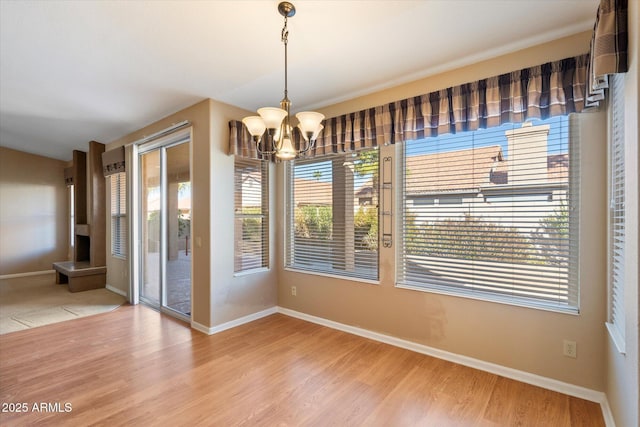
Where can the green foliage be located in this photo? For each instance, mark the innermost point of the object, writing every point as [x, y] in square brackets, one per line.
[552, 236]
[469, 238]
[252, 226]
[314, 222]
[366, 163]
[184, 225]
[366, 228]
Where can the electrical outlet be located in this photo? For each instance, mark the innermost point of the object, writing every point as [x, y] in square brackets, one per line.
[569, 348]
[294, 291]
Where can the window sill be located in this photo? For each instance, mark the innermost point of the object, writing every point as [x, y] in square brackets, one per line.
[333, 276]
[616, 337]
[251, 271]
[494, 299]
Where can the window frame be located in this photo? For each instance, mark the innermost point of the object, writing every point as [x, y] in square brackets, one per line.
[289, 246]
[616, 215]
[263, 216]
[118, 182]
[573, 268]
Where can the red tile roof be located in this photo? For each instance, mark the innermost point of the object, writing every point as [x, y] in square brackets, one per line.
[460, 170]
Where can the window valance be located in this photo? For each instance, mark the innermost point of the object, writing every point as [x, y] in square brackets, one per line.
[68, 176]
[113, 161]
[609, 48]
[547, 90]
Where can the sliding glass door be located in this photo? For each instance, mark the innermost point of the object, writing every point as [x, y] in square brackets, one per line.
[165, 226]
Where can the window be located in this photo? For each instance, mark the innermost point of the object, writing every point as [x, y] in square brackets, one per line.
[616, 257]
[119, 215]
[72, 220]
[332, 215]
[251, 182]
[496, 234]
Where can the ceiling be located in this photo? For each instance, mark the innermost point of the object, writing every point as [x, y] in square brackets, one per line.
[75, 71]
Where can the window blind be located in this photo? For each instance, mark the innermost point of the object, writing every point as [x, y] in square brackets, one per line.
[492, 214]
[332, 215]
[617, 210]
[251, 215]
[119, 214]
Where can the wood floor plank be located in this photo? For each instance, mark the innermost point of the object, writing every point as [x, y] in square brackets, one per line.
[135, 366]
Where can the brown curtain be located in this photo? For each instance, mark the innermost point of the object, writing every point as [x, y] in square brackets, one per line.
[609, 48]
[113, 161]
[551, 89]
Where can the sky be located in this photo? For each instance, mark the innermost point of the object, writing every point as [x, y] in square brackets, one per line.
[558, 138]
[558, 143]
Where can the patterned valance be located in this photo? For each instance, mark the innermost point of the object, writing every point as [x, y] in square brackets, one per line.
[113, 161]
[608, 47]
[551, 89]
[68, 176]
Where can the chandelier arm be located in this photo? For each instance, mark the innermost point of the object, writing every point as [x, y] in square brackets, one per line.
[309, 145]
[258, 141]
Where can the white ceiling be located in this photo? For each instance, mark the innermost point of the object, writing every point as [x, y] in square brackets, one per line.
[75, 71]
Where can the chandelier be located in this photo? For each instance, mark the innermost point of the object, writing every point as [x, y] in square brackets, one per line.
[277, 121]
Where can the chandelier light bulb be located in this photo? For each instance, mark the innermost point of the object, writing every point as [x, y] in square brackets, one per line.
[255, 125]
[272, 116]
[309, 124]
[286, 151]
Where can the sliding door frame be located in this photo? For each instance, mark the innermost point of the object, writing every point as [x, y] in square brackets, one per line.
[179, 134]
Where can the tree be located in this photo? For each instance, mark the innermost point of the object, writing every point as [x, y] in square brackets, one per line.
[368, 163]
[313, 222]
[551, 238]
[366, 228]
[468, 238]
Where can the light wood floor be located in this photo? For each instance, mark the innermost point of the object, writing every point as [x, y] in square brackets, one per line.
[136, 367]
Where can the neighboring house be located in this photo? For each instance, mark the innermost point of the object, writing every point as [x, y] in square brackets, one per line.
[483, 183]
[365, 195]
[312, 192]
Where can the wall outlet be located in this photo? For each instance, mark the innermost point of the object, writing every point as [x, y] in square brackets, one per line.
[294, 291]
[569, 348]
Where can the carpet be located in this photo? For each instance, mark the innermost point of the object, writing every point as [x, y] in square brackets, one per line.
[28, 302]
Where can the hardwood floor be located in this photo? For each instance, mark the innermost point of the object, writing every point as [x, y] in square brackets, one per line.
[134, 366]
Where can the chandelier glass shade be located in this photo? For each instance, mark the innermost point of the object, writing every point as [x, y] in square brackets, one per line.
[276, 122]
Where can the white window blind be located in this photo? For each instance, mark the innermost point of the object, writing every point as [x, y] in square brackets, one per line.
[119, 214]
[617, 212]
[332, 215]
[251, 183]
[492, 214]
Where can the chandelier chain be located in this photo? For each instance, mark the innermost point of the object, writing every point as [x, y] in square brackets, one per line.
[285, 39]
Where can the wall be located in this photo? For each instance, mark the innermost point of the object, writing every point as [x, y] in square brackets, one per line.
[33, 212]
[217, 295]
[622, 369]
[520, 338]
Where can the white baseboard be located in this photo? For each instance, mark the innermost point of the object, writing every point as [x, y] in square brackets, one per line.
[31, 273]
[522, 376]
[607, 414]
[200, 327]
[233, 323]
[117, 291]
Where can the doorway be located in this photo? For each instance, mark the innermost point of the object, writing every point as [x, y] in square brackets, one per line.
[164, 189]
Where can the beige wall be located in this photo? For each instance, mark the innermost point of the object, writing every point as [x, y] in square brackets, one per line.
[218, 296]
[520, 338]
[33, 212]
[622, 369]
